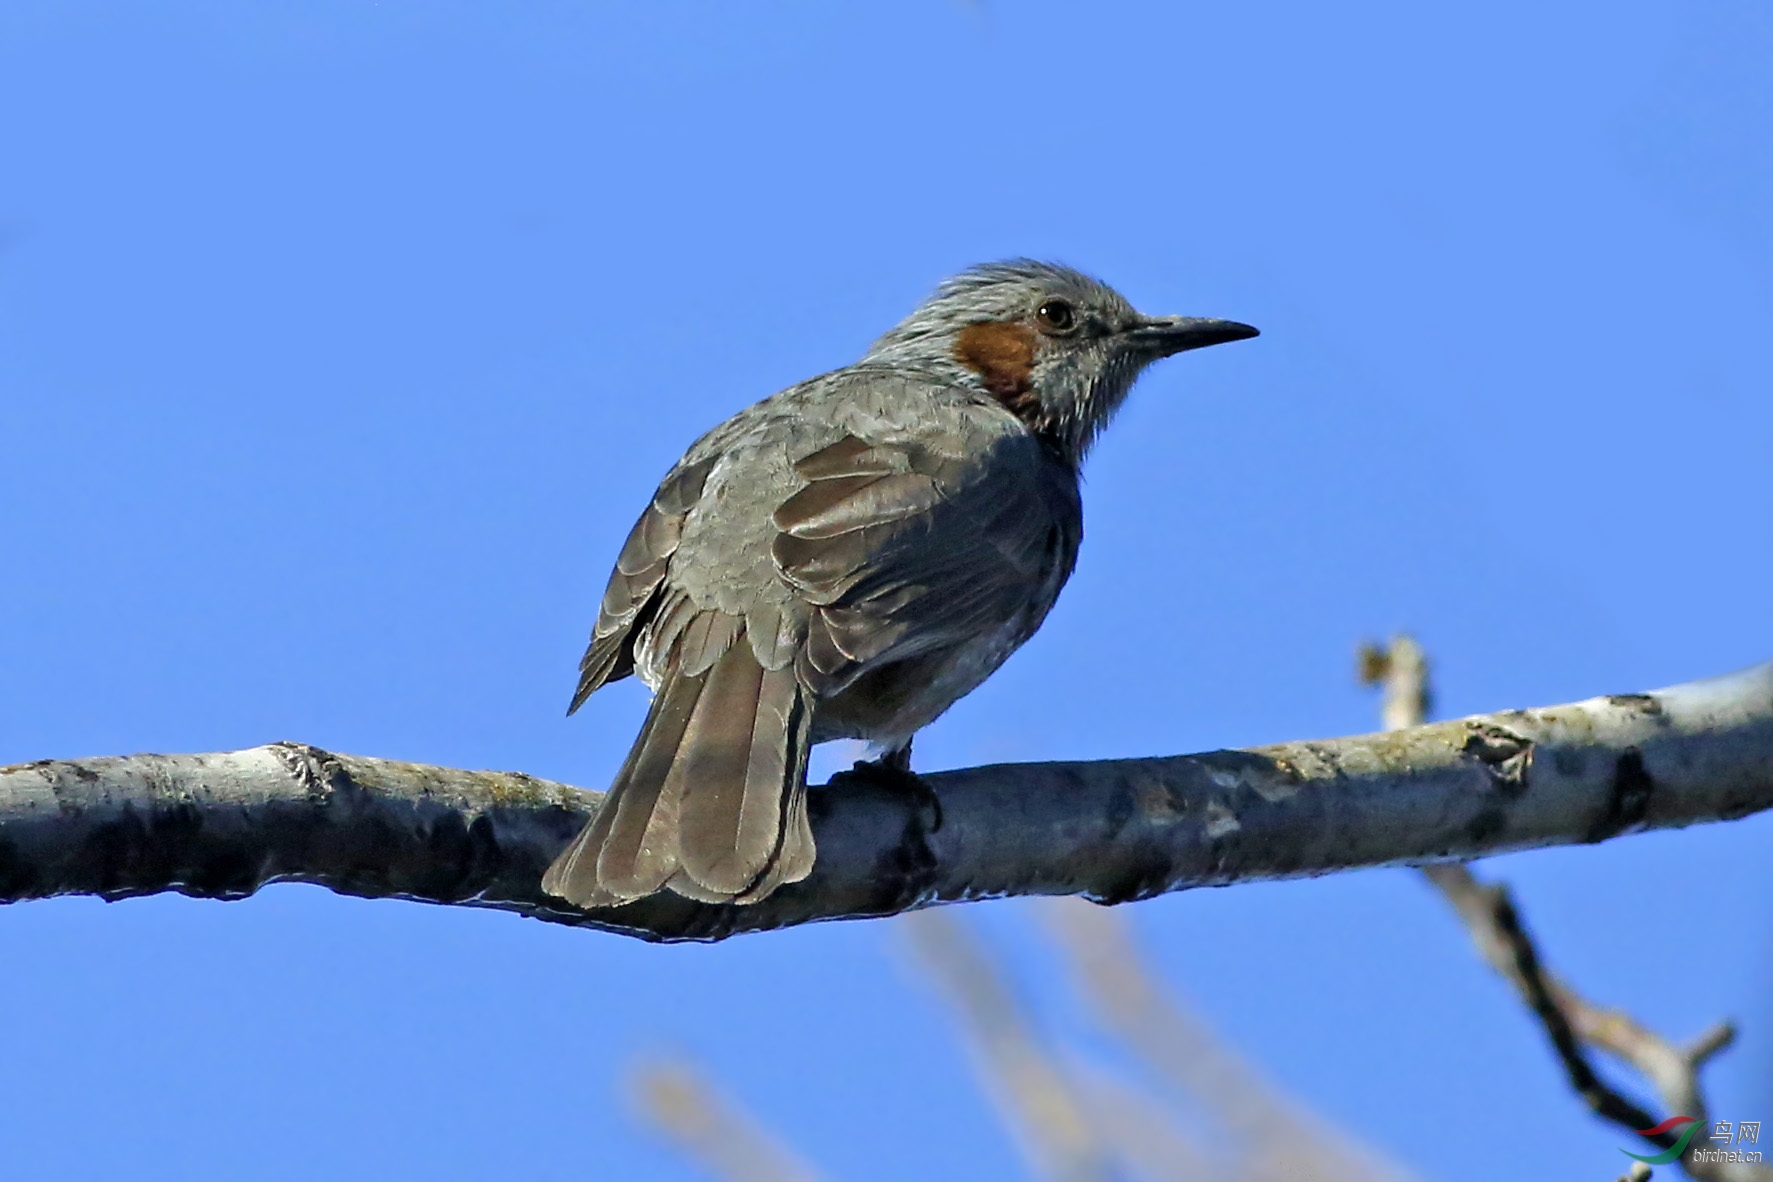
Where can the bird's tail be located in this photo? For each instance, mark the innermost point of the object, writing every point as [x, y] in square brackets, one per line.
[711, 801]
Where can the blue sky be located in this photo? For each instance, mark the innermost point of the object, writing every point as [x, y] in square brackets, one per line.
[340, 343]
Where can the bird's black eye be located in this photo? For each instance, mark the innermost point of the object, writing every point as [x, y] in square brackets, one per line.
[1055, 315]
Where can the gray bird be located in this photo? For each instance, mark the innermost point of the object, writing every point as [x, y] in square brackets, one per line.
[846, 559]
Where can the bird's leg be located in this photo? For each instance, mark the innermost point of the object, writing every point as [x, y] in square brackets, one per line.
[893, 771]
[898, 758]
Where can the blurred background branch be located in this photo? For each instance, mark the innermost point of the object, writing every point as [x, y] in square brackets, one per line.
[1032, 1090]
[1264, 1136]
[684, 1107]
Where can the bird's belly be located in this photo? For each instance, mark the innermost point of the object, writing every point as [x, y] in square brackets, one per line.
[888, 705]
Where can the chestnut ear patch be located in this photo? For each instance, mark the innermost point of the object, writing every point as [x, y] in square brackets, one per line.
[1001, 354]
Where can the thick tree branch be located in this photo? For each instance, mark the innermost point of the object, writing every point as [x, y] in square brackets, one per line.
[223, 825]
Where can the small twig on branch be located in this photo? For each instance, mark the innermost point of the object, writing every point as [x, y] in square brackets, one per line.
[1400, 670]
[707, 1126]
[221, 826]
[1570, 1022]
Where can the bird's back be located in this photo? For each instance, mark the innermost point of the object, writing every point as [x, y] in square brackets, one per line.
[973, 453]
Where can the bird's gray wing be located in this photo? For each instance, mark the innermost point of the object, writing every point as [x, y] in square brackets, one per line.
[902, 549]
[635, 586]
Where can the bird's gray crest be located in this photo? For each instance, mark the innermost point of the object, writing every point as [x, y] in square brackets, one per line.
[1005, 290]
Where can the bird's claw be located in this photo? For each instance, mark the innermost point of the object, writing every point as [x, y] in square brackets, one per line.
[895, 775]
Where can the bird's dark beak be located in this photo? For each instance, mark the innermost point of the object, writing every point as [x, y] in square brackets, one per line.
[1164, 336]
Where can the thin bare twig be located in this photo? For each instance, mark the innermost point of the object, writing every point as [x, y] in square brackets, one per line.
[1400, 670]
[1572, 1024]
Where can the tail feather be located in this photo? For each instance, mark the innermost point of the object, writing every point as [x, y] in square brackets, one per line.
[641, 850]
[573, 875]
[630, 847]
[794, 859]
[740, 779]
[711, 800]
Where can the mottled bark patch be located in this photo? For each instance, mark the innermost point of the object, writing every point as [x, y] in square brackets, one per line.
[907, 871]
[1642, 703]
[1486, 826]
[1629, 802]
[1507, 756]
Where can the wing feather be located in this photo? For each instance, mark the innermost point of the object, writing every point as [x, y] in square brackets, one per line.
[843, 504]
[901, 551]
[849, 456]
[632, 596]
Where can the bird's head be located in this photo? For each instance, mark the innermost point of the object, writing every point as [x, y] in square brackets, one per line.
[1060, 350]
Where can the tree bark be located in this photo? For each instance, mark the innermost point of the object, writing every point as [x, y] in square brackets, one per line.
[223, 825]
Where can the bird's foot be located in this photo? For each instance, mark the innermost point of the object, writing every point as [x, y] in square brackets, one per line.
[892, 771]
